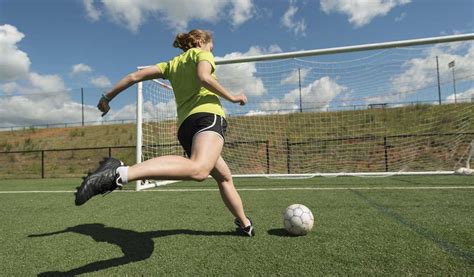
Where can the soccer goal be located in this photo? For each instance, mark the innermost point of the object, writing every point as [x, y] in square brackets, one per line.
[404, 107]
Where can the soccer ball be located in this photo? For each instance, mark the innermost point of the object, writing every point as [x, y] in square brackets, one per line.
[298, 219]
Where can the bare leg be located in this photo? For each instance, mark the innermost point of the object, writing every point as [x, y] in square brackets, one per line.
[205, 159]
[206, 151]
[221, 173]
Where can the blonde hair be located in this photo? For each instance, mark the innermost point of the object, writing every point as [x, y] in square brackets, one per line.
[186, 41]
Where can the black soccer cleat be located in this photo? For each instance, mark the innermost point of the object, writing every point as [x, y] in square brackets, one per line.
[102, 180]
[241, 229]
[107, 163]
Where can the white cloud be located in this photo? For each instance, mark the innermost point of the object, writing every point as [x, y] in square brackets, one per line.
[101, 82]
[288, 20]
[126, 112]
[241, 77]
[294, 77]
[14, 63]
[166, 110]
[49, 90]
[242, 11]
[80, 68]
[92, 12]
[401, 17]
[43, 99]
[361, 12]
[315, 96]
[34, 98]
[277, 106]
[23, 111]
[176, 13]
[464, 96]
[47, 83]
[9, 88]
[418, 72]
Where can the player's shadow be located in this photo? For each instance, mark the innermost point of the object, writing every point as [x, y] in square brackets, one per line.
[135, 246]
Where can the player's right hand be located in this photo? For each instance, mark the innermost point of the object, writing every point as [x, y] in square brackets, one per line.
[103, 106]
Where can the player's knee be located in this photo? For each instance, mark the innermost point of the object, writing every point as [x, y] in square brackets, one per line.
[200, 173]
[225, 184]
[223, 179]
[200, 176]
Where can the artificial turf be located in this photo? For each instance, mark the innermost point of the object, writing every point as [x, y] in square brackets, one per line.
[407, 225]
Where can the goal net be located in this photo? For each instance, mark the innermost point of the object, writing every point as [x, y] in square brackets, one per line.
[369, 110]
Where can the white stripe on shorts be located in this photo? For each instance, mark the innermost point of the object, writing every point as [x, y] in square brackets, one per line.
[209, 127]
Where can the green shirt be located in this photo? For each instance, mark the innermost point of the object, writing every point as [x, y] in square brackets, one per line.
[191, 97]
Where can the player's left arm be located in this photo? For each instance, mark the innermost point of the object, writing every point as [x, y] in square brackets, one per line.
[149, 73]
[204, 69]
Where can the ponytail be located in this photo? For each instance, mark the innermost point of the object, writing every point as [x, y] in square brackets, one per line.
[186, 41]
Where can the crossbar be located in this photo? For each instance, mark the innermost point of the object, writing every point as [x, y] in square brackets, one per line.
[346, 49]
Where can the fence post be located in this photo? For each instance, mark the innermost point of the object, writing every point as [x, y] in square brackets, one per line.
[42, 164]
[385, 146]
[288, 155]
[439, 85]
[299, 82]
[82, 105]
[268, 155]
[110, 152]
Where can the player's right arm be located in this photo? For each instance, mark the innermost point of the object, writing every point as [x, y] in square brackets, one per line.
[149, 73]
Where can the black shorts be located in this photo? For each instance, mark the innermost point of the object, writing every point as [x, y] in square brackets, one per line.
[197, 123]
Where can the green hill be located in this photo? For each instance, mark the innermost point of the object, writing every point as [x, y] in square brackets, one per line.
[330, 133]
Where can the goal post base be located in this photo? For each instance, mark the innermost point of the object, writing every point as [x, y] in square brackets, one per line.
[342, 174]
[147, 184]
[142, 185]
[464, 171]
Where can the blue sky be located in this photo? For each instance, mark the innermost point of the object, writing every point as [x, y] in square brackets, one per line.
[52, 48]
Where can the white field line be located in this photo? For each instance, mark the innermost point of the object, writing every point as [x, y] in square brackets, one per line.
[258, 189]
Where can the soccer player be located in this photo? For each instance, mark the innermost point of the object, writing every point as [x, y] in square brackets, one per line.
[201, 128]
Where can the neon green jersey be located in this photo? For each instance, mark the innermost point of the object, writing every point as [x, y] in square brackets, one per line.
[190, 96]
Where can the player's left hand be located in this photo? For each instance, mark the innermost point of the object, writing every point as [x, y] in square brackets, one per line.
[241, 99]
[103, 106]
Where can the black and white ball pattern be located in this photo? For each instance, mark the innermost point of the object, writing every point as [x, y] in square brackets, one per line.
[298, 219]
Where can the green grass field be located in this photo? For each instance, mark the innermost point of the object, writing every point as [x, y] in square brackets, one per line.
[363, 226]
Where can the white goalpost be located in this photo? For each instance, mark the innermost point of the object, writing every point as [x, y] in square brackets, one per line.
[467, 170]
[393, 108]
